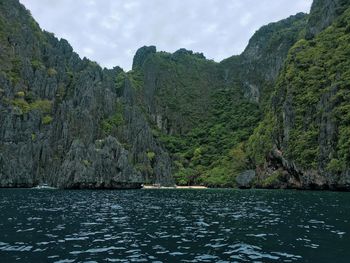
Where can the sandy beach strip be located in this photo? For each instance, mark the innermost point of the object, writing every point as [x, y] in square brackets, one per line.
[173, 187]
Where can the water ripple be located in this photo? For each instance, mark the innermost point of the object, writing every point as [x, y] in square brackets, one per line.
[173, 226]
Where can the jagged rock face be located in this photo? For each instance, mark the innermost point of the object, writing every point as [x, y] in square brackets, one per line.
[323, 13]
[103, 165]
[202, 109]
[54, 108]
[257, 68]
[245, 179]
[308, 121]
[141, 55]
[176, 88]
[148, 154]
[68, 122]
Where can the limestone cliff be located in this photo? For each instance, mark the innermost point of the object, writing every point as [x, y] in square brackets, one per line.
[275, 116]
[303, 140]
[203, 111]
[323, 13]
[257, 68]
[58, 114]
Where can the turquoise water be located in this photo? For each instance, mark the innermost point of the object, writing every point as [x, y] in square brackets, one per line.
[174, 226]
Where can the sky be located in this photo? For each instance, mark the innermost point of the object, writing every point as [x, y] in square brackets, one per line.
[110, 31]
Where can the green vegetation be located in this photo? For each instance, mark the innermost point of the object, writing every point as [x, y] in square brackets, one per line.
[47, 120]
[13, 72]
[38, 65]
[45, 106]
[313, 91]
[120, 80]
[335, 166]
[51, 72]
[320, 8]
[61, 92]
[145, 169]
[20, 94]
[200, 120]
[285, 100]
[87, 163]
[114, 121]
[273, 180]
[21, 104]
[151, 156]
[212, 154]
[136, 79]
[261, 142]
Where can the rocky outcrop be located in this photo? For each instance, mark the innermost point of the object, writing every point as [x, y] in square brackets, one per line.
[104, 164]
[257, 68]
[323, 13]
[67, 122]
[57, 115]
[246, 179]
[202, 110]
[141, 55]
[147, 153]
[307, 125]
[176, 87]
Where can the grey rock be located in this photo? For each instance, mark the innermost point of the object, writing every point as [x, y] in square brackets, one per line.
[71, 150]
[323, 13]
[141, 55]
[104, 164]
[246, 179]
[257, 68]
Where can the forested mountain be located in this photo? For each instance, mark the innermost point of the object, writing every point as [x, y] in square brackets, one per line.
[305, 134]
[274, 116]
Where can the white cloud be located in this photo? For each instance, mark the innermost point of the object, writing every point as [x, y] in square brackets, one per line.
[245, 19]
[87, 51]
[110, 31]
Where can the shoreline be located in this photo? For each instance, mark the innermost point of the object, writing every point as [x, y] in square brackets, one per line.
[194, 187]
[174, 187]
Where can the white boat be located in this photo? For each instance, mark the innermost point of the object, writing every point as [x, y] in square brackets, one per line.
[44, 186]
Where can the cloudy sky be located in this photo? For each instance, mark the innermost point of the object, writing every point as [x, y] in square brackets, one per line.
[110, 31]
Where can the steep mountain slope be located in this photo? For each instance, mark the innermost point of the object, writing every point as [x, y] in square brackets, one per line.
[58, 114]
[323, 13]
[278, 110]
[307, 128]
[203, 111]
[194, 114]
[257, 68]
